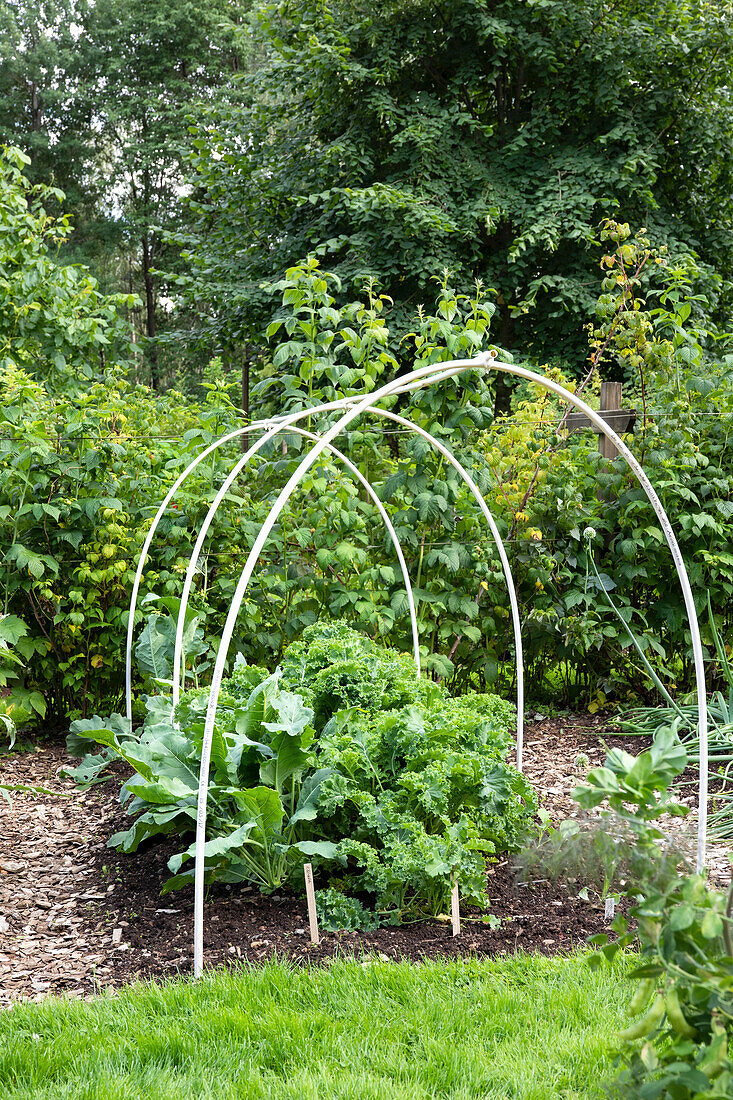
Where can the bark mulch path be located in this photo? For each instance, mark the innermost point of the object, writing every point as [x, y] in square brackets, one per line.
[76, 916]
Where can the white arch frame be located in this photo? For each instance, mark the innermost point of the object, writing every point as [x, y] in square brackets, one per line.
[279, 424]
[467, 479]
[178, 670]
[351, 409]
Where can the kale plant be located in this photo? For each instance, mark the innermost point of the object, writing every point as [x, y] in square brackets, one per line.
[344, 756]
[339, 913]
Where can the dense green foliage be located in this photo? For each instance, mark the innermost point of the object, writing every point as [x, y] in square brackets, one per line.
[344, 756]
[490, 139]
[369, 1029]
[545, 490]
[81, 474]
[88, 454]
[39, 112]
[54, 322]
[684, 997]
[99, 95]
[684, 992]
[16, 648]
[682, 721]
[685, 975]
[334, 217]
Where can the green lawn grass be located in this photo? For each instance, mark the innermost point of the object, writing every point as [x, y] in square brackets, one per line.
[516, 1027]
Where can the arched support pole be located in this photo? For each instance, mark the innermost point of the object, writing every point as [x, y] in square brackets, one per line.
[354, 409]
[417, 379]
[636, 469]
[178, 671]
[402, 385]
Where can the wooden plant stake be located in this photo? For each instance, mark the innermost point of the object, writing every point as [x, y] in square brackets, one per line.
[454, 909]
[311, 895]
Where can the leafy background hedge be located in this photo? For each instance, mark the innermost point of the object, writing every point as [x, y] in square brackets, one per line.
[88, 453]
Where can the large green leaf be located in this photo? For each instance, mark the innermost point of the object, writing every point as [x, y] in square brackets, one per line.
[215, 848]
[266, 808]
[243, 759]
[150, 824]
[323, 848]
[291, 734]
[291, 714]
[163, 790]
[192, 639]
[155, 648]
[89, 772]
[178, 882]
[249, 727]
[12, 629]
[105, 731]
[251, 719]
[289, 758]
[192, 715]
[307, 807]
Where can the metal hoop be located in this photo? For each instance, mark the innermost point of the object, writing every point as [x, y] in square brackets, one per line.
[354, 409]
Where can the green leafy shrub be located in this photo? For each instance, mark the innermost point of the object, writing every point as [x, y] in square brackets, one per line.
[397, 793]
[422, 795]
[81, 476]
[676, 1048]
[418, 784]
[19, 702]
[544, 487]
[86, 454]
[619, 848]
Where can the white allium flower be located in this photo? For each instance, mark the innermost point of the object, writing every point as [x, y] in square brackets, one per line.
[589, 533]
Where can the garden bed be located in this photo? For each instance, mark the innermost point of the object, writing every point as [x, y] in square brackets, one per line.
[76, 916]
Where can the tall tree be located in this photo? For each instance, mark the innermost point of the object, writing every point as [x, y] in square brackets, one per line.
[100, 94]
[146, 67]
[39, 111]
[486, 136]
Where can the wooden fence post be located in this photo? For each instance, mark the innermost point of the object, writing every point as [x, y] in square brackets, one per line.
[610, 402]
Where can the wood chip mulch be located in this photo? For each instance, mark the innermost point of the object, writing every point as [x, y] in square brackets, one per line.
[77, 917]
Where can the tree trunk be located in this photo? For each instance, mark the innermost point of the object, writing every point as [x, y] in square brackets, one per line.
[36, 108]
[150, 312]
[503, 391]
[245, 397]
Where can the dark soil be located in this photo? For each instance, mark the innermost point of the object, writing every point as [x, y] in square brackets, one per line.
[241, 923]
[76, 916]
